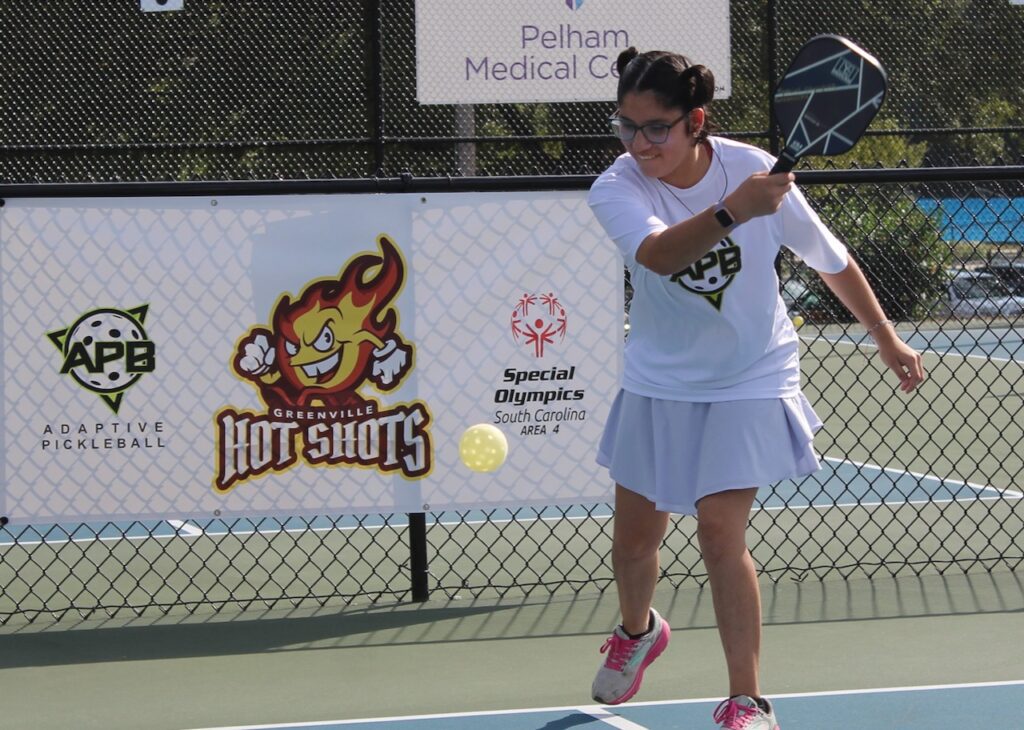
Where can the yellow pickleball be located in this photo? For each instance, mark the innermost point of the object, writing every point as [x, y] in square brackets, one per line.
[483, 447]
[798, 321]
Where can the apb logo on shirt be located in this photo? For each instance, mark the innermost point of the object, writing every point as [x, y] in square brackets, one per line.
[710, 276]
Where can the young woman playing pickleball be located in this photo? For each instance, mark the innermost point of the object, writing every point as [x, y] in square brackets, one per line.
[710, 407]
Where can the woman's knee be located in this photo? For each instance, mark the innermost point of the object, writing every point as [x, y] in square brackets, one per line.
[718, 537]
[633, 546]
[721, 527]
[639, 526]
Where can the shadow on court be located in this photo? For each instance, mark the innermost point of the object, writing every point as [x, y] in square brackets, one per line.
[474, 656]
[573, 720]
[457, 621]
[223, 634]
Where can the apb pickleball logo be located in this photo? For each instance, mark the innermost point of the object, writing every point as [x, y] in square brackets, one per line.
[713, 274]
[106, 351]
[574, 4]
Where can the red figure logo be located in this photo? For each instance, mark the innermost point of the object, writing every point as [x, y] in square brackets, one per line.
[537, 321]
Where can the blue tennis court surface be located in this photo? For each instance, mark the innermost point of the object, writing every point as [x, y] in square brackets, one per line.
[845, 483]
[963, 707]
[1000, 344]
[839, 483]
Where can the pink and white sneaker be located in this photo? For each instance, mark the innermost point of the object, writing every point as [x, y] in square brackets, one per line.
[742, 713]
[620, 675]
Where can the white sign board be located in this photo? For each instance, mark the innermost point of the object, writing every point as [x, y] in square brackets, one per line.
[161, 6]
[474, 52]
[197, 358]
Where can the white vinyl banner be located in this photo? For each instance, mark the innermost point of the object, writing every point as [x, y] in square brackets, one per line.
[473, 52]
[246, 356]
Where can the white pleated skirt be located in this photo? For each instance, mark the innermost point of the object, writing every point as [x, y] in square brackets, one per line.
[676, 452]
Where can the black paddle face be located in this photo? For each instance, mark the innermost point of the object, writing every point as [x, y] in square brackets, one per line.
[828, 96]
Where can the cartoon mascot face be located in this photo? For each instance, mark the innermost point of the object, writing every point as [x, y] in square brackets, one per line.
[325, 340]
[338, 333]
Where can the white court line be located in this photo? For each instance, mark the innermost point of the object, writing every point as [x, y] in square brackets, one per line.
[610, 719]
[590, 709]
[900, 472]
[107, 538]
[597, 712]
[926, 334]
[997, 492]
[846, 340]
[184, 528]
[187, 530]
[837, 693]
[851, 505]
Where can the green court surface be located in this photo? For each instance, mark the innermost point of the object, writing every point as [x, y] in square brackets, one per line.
[876, 594]
[468, 656]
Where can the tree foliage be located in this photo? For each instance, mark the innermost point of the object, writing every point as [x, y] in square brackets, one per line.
[897, 245]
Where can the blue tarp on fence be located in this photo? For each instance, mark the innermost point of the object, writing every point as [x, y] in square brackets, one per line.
[993, 220]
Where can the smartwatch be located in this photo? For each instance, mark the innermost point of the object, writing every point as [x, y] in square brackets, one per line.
[723, 216]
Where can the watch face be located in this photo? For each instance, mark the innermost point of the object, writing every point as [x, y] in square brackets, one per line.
[724, 218]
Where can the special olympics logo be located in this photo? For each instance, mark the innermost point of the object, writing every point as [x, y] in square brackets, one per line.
[537, 321]
[574, 4]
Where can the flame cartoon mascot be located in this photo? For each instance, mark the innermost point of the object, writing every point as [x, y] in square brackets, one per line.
[335, 336]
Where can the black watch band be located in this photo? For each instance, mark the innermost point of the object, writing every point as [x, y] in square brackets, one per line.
[723, 216]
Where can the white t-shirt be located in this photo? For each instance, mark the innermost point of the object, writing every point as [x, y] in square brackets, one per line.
[718, 330]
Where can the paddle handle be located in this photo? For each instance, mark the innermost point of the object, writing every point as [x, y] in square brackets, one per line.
[785, 163]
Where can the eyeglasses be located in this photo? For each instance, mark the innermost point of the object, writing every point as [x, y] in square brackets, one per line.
[655, 132]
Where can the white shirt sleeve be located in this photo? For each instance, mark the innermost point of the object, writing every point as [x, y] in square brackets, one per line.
[625, 213]
[804, 234]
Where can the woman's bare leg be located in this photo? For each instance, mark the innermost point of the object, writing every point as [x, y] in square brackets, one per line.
[637, 534]
[721, 530]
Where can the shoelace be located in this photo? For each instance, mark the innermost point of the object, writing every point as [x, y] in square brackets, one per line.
[733, 715]
[619, 651]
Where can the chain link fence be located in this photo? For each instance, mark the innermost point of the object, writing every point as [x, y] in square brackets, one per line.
[276, 89]
[313, 90]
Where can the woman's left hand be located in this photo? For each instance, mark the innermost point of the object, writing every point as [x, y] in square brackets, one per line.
[903, 360]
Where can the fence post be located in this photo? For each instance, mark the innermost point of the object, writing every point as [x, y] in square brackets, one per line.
[377, 85]
[772, 71]
[418, 564]
[465, 152]
[771, 29]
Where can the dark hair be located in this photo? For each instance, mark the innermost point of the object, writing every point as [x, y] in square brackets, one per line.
[675, 81]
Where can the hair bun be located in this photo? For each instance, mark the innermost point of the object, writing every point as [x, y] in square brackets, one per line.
[625, 57]
[699, 84]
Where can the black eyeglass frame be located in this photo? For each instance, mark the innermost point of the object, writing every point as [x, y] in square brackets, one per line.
[618, 125]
